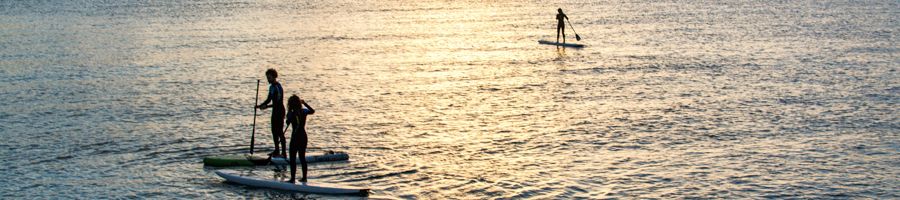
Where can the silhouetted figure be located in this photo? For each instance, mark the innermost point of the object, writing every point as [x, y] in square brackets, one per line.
[296, 117]
[561, 25]
[276, 96]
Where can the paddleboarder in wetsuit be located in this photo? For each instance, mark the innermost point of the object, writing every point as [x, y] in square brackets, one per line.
[276, 96]
[561, 25]
[296, 116]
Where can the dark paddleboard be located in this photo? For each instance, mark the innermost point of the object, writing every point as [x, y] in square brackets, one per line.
[573, 45]
[252, 160]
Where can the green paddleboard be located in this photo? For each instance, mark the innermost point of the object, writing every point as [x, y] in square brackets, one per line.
[235, 160]
[248, 160]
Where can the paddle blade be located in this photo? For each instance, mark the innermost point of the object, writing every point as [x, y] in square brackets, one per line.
[577, 37]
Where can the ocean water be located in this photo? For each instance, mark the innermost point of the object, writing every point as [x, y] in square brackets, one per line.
[455, 99]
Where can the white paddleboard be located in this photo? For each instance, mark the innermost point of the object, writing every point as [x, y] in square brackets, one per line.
[560, 44]
[318, 188]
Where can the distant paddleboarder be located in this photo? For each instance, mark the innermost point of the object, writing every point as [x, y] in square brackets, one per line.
[296, 116]
[561, 25]
[276, 96]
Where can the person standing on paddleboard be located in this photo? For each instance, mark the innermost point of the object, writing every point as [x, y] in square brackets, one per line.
[296, 116]
[276, 96]
[561, 25]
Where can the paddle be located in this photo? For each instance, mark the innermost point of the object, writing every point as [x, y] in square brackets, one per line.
[253, 134]
[577, 37]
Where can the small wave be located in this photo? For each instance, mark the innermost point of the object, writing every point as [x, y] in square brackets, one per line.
[339, 38]
[623, 147]
[645, 67]
[382, 176]
[39, 162]
[409, 9]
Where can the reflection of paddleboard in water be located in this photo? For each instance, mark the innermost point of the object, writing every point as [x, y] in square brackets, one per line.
[318, 188]
[561, 44]
[248, 160]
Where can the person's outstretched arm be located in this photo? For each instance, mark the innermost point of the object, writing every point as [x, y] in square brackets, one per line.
[311, 111]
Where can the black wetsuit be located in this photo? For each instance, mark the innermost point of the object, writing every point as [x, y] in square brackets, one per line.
[297, 118]
[276, 95]
[561, 26]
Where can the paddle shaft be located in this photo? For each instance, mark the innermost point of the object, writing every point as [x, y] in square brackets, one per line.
[577, 37]
[253, 134]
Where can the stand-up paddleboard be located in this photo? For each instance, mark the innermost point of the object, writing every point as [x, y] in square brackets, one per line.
[318, 188]
[253, 160]
[327, 157]
[561, 44]
[235, 160]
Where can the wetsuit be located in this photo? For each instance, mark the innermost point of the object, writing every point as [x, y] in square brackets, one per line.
[276, 95]
[297, 118]
[561, 26]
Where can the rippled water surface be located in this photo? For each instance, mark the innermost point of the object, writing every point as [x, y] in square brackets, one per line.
[455, 99]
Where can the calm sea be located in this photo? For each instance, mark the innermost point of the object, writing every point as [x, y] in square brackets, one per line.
[456, 99]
